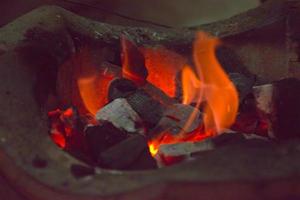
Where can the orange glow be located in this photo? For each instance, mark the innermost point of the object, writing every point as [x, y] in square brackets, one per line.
[93, 83]
[163, 66]
[207, 85]
[168, 138]
[133, 62]
[93, 91]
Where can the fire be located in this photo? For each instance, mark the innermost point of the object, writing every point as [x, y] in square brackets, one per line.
[219, 92]
[208, 86]
[205, 84]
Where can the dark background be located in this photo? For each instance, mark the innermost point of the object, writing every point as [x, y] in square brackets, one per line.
[168, 12]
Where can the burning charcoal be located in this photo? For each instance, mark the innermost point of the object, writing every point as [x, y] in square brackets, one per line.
[185, 148]
[131, 153]
[102, 137]
[177, 117]
[158, 94]
[120, 88]
[133, 62]
[169, 154]
[147, 108]
[278, 104]
[121, 115]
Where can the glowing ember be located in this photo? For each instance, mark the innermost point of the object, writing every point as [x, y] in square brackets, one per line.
[62, 126]
[163, 66]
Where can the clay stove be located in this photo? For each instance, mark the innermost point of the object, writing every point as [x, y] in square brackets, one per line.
[38, 45]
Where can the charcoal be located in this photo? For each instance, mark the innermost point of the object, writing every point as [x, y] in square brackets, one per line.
[185, 148]
[158, 94]
[278, 104]
[133, 62]
[101, 137]
[131, 153]
[120, 113]
[120, 88]
[175, 119]
[147, 107]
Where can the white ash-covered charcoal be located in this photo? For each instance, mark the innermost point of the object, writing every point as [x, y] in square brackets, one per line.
[191, 148]
[175, 119]
[120, 113]
[132, 153]
[120, 88]
[185, 148]
[279, 105]
[147, 107]
[101, 137]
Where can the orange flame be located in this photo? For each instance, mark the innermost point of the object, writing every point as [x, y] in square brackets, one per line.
[218, 91]
[208, 85]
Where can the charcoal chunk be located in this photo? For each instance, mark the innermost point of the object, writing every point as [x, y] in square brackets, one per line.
[131, 153]
[147, 107]
[102, 137]
[120, 88]
[278, 104]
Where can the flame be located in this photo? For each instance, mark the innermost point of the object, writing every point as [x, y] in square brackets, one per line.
[218, 91]
[207, 85]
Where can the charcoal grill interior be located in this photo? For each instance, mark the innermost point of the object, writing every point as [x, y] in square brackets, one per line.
[36, 48]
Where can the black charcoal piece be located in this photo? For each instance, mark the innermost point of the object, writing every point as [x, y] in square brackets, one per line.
[131, 153]
[120, 88]
[99, 138]
[147, 108]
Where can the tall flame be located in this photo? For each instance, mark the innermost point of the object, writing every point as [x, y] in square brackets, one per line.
[209, 87]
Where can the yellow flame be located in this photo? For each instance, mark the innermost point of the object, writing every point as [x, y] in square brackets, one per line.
[210, 84]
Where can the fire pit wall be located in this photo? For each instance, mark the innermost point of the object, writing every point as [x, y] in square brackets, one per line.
[29, 157]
